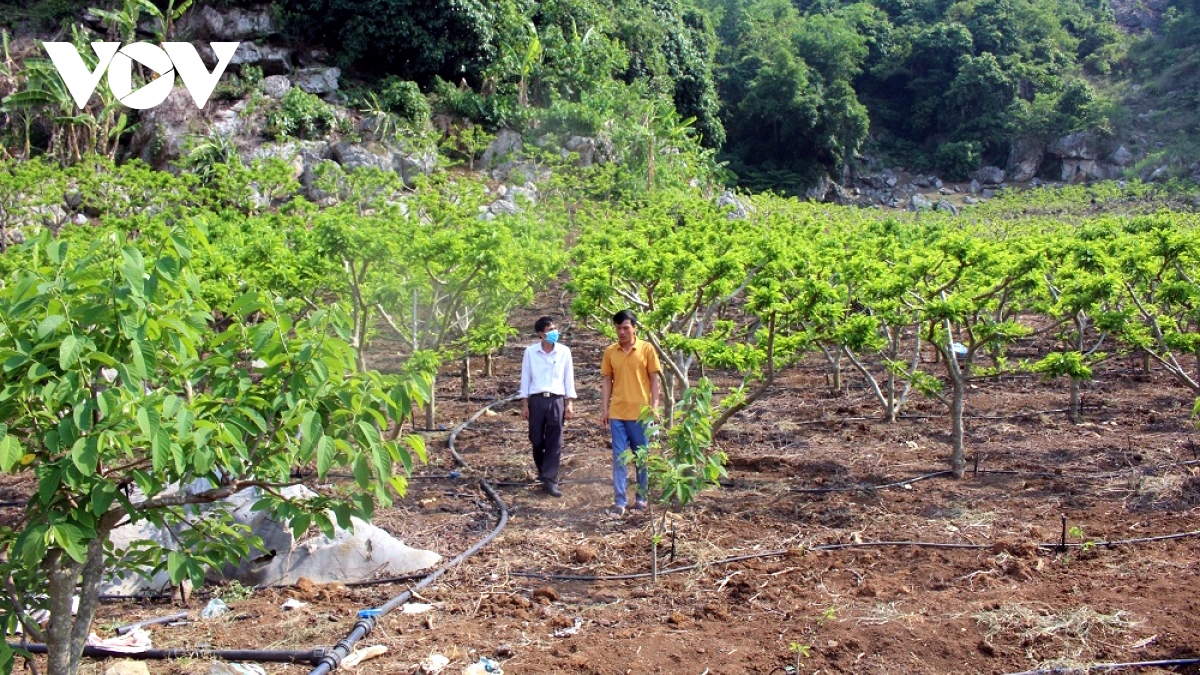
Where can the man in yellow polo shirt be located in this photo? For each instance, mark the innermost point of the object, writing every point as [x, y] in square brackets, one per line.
[629, 372]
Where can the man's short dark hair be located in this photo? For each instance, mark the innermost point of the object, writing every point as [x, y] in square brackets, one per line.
[542, 324]
[623, 316]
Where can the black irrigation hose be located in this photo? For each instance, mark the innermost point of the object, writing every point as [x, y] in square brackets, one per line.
[368, 619]
[855, 488]
[263, 656]
[1065, 670]
[458, 429]
[829, 547]
[1007, 472]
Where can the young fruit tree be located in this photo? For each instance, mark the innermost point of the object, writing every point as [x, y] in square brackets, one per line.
[119, 389]
[678, 261]
[459, 273]
[968, 290]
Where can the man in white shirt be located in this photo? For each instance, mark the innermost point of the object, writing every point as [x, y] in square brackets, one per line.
[547, 395]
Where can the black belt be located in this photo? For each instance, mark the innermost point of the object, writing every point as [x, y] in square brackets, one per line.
[548, 394]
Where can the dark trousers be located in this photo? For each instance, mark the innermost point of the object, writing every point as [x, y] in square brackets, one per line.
[545, 433]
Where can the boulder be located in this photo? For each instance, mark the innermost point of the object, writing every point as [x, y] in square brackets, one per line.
[1156, 175]
[1079, 145]
[507, 143]
[975, 187]
[945, 207]
[1081, 170]
[584, 146]
[503, 206]
[1121, 157]
[988, 175]
[1024, 158]
[737, 209]
[276, 86]
[385, 156]
[353, 156]
[127, 668]
[273, 59]
[318, 80]
[234, 24]
[919, 203]
[164, 129]
[820, 191]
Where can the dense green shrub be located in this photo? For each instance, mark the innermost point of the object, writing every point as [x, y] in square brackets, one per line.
[300, 115]
[958, 159]
[404, 99]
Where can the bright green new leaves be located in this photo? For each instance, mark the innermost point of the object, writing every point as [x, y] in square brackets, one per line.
[116, 375]
[676, 261]
[679, 461]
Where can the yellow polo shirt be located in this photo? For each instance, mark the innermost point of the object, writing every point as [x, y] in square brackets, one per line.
[631, 378]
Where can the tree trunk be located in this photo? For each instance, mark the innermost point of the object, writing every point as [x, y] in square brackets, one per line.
[62, 573]
[1074, 412]
[1146, 362]
[837, 371]
[67, 634]
[487, 365]
[957, 462]
[668, 391]
[466, 376]
[431, 409]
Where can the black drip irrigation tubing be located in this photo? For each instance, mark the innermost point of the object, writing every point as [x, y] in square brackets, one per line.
[864, 487]
[1066, 670]
[368, 619]
[262, 656]
[832, 547]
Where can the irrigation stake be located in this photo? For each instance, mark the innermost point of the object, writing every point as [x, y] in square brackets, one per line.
[1062, 546]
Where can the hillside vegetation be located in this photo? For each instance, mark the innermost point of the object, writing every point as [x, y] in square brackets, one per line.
[784, 92]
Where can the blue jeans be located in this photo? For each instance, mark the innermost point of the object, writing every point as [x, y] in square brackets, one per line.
[624, 434]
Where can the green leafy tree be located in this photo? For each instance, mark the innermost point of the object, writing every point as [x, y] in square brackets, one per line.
[677, 260]
[968, 292]
[415, 40]
[118, 389]
[458, 274]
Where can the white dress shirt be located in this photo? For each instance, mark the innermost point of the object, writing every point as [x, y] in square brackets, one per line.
[552, 371]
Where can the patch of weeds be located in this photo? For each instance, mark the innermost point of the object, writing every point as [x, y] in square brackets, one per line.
[235, 591]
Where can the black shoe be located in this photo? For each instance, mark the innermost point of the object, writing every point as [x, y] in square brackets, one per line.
[551, 489]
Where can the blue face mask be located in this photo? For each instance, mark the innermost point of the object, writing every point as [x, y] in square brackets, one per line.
[552, 336]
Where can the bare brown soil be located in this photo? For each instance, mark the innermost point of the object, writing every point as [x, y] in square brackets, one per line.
[800, 463]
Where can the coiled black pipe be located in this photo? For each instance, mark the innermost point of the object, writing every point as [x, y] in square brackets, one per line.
[368, 619]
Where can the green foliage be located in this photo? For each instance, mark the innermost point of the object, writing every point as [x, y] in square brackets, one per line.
[207, 154]
[679, 461]
[117, 374]
[235, 591]
[958, 159]
[301, 115]
[416, 40]
[40, 15]
[42, 105]
[405, 100]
